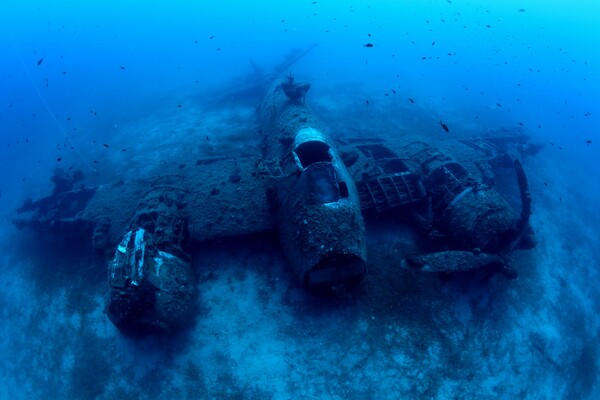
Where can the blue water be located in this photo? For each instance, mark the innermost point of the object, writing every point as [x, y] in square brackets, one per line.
[76, 74]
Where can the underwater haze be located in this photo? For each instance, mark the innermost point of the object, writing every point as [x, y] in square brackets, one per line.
[531, 62]
[126, 90]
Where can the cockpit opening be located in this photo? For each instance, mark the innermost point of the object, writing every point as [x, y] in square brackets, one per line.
[312, 152]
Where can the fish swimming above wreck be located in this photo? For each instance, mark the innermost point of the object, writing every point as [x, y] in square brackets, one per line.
[316, 190]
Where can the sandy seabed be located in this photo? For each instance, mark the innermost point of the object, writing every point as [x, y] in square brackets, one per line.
[259, 335]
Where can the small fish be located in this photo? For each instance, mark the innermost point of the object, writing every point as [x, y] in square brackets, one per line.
[444, 127]
[521, 10]
[587, 114]
[367, 101]
[368, 45]
[588, 142]
[122, 67]
[393, 91]
[433, 43]
[369, 35]
[411, 100]
[123, 150]
[40, 61]
[211, 37]
[207, 138]
[59, 159]
[105, 145]
[488, 26]
[179, 105]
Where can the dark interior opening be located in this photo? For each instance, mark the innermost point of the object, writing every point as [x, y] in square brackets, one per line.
[344, 189]
[313, 152]
[336, 269]
[322, 183]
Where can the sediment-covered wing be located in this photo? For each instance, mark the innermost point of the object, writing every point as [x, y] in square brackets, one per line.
[219, 197]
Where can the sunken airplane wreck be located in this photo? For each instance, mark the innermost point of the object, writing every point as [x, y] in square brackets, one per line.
[316, 191]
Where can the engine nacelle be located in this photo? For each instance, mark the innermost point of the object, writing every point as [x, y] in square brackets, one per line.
[471, 214]
[150, 290]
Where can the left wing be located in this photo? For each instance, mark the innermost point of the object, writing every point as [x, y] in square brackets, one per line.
[219, 197]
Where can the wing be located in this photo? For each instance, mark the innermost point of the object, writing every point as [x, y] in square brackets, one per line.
[219, 197]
